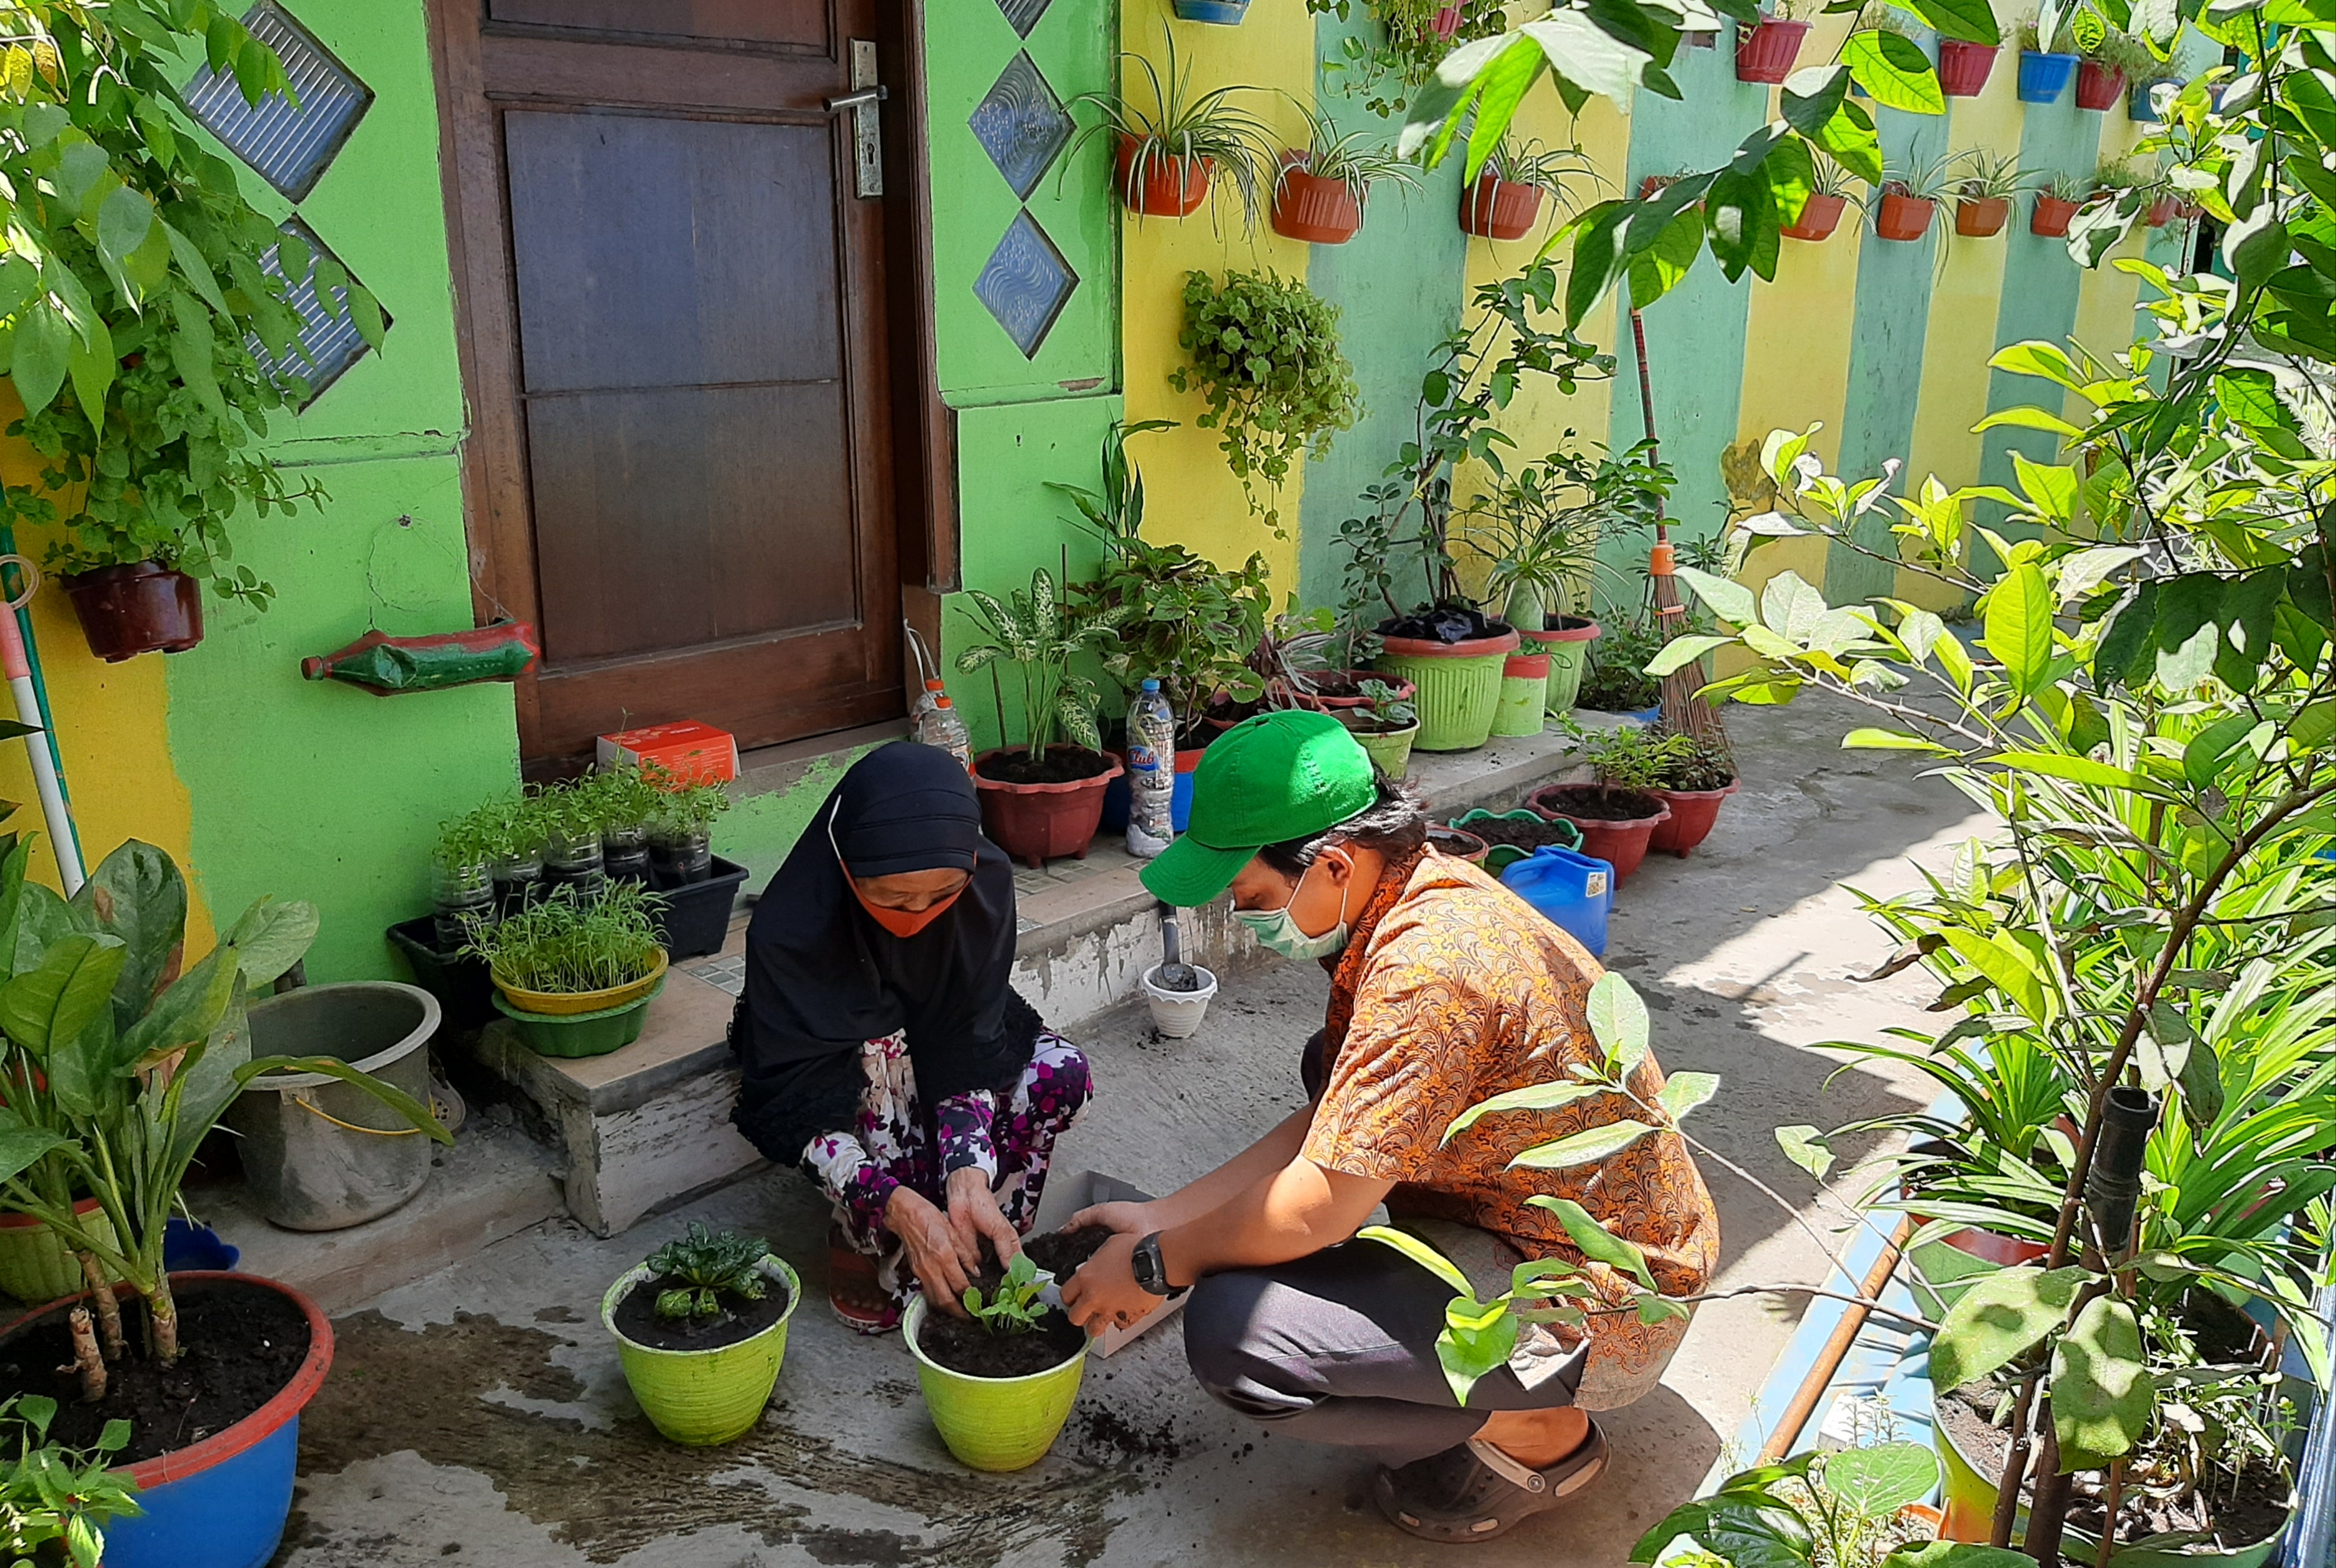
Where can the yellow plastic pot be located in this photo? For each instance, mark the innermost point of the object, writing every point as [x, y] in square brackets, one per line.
[994, 1423]
[561, 1004]
[703, 1396]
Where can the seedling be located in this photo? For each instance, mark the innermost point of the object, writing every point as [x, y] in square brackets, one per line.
[707, 1262]
[567, 946]
[1012, 1307]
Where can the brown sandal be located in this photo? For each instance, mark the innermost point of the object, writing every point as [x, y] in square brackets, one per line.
[1477, 1492]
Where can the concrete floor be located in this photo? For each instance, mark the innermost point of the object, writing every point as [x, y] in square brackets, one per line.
[480, 1414]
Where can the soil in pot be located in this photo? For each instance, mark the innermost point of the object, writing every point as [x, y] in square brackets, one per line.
[737, 1318]
[240, 1345]
[1060, 1252]
[1523, 836]
[1062, 764]
[963, 1345]
[1593, 803]
[1460, 842]
[1448, 623]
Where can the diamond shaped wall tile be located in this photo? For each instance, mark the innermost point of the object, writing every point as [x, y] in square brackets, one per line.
[288, 147]
[1021, 124]
[1026, 283]
[1023, 14]
[327, 345]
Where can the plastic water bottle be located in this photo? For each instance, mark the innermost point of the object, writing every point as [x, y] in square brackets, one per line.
[941, 725]
[1150, 773]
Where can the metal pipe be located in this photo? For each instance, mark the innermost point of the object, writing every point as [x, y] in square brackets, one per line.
[40, 686]
[1787, 1429]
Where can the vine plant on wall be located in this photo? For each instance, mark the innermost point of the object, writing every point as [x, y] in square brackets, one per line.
[1387, 66]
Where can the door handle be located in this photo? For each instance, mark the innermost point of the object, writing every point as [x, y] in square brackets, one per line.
[855, 99]
[867, 131]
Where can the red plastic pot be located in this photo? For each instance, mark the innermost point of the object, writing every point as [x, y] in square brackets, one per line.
[1404, 690]
[1693, 814]
[1318, 210]
[1620, 845]
[1494, 208]
[140, 608]
[1033, 823]
[1904, 216]
[2050, 219]
[2162, 210]
[1981, 217]
[1766, 54]
[1820, 216]
[1169, 188]
[1446, 24]
[1964, 67]
[2097, 86]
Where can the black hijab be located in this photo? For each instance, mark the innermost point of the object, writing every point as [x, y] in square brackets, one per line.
[823, 977]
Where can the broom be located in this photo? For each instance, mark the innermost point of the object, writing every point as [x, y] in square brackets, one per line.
[1683, 712]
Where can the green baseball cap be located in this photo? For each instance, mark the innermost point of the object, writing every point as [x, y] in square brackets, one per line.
[1268, 779]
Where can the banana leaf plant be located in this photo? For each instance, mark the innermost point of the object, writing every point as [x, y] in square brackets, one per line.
[119, 1061]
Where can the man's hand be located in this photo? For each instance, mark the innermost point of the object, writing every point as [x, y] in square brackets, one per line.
[931, 1242]
[973, 1214]
[1123, 1218]
[1104, 1293]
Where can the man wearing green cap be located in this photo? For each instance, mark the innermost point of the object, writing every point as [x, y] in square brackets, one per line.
[1446, 990]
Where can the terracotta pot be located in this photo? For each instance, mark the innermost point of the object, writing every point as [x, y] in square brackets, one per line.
[1170, 186]
[1034, 823]
[1820, 216]
[142, 608]
[2051, 217]
[1620, 845]
[1904, 218]
[2097, 86]
[1964, 68]
[1446, 24]
[1459, 841]
[1766, 52]
[1404, 690]
[1693, 814]
[1494, 208]
[2162, 211]
[1981, 217]
[1318, 210]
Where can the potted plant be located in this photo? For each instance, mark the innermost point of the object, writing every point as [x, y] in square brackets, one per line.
[1880, 16]
[1616, 680]
[1765, 52]
[623, 800]
[1318, 193]
[56, 1502]
[681, 829]
[1860, 1506]
[2056, 203]
[1385, 726]
[1983, 195]
[1041, 799]
[1167, 160]
[462, 875]
[999, 1382]
[1458, 843]
[1617, 815]
[1264, 352]
[2108, 60]
[1387, 66]
[2045, 67]
[1830, 192]
[701, 1327]
[1910, 196]
[1694, 781]
[575, 977]
[1964, 67]
[1505, 200]
[1510, 836]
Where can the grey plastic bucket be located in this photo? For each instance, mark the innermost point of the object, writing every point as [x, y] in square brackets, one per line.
[319, 1154]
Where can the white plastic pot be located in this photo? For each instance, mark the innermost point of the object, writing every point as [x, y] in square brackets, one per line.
[1177, 1014]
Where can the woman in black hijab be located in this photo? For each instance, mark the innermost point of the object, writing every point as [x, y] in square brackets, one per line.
[881, 1047]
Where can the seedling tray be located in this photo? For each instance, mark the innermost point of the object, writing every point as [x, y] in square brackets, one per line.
[696, 919]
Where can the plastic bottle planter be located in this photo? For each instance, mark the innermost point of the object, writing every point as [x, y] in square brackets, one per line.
[1525, 695]
[1168, 187]
[2050, 219]
[1981, 217]
[995, 1424]
[1222, 12]
[1459, 686]
[460, 896]
[1766, 52]
[140, 608]
[1964, 67]
[1820, 216]
[2044, 77]
[1621, 843]
[35, 1265]
[625, 854]
[2097, 86]
[679, 859]
[575, 862]
[1694, 813]
[1496, 209]
[1903, 217]
[1318, 210]
[519, 882]
[704, 1396]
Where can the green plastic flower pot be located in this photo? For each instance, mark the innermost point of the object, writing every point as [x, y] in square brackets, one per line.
[1459, 686]
[35, 1265]
[1568, 647]
[1501, 857]
[702, 1396]
[1525, 687]
[1391, 751]
[592, 1034]
[993, 1423]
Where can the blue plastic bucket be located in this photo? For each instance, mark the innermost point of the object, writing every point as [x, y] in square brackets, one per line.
[2044, 77]
[1574, 891]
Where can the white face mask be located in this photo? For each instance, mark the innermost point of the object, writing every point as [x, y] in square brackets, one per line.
[1277, 931]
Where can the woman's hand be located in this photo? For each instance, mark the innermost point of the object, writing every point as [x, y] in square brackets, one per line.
[1124, 1219]
[973, 1214]
[931, 1242]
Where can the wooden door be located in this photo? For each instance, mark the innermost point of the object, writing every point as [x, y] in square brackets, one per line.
[675, 296]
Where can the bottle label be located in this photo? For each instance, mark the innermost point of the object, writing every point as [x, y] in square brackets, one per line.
[1141, 758]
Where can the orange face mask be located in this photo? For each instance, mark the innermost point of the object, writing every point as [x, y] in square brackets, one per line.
[898, 922]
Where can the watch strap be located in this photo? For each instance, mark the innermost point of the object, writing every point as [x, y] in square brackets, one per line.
[1151, 1270]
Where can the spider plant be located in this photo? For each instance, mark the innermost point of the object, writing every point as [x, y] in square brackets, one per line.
[1830, 178]
[1544, 168]
[565, 945]
[1179, 130]
[1352, 159]
[1923, 179]
[1540, 527]
[2069, 187]
[1985, 177]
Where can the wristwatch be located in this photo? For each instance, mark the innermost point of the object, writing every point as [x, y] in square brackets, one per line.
[1150, 1270]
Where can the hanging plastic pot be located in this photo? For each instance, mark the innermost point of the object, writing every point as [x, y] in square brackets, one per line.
[1904, 216]
[2139, 106]
[1222, 12]
[1167, 186]
[1318, 210]
[2044, 77]
[1820, 216]
[1446, 24]
[1496, 209]
[2051, 217]
[1965, 67]
[2097, 86]
[1981, 217]
[1766, 52]
[140, 608]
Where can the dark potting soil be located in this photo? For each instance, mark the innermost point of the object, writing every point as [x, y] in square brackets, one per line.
[1604, 805]
[963, 1345]
[1064, 766]
[1060, 1252]
[1335, 686]
[738, 1319]
[1455, 841]
[1698, 774]
[1524, 835]
[1449, 623]
[240, 1345]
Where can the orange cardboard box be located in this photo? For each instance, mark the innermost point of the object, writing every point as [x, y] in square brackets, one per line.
[691, 751]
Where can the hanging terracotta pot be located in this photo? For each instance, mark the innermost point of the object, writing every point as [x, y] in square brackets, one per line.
[2097, 86]
[140, 608]
[2050, 219]
[1766, 52]
[1446, 24]
[1964, 67]
[1168, 187]
[1981, 217]
[1494, 208]
[1904, 216]
[2162, 210]
[1820, 216]
[1309, 208]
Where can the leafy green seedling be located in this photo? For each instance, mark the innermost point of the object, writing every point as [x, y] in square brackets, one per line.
[707, 1262]
[1013, 1307]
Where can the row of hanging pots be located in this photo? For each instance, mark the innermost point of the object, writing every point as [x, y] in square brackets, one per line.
[1444, 24]
[1308, 207]
[1767, 53]
[2044, 77]
[1905, 217]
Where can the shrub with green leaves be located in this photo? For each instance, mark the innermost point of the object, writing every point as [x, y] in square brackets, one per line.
[565, 945]
[56, 1502]
[708, 1263]
[1037, 633]
[1841, 1509]
[1265, 355]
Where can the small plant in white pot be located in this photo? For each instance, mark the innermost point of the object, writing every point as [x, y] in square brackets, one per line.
[1000, 1380]
[701, 1327]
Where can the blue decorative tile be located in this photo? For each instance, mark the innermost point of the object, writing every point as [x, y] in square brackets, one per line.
[1026, 283]
[327, 345]
[1023, 14]
[1022, 125]
[288, 147]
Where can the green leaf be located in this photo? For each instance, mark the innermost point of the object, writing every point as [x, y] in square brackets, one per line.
[1973, 21]
[1586, 1147]
[1998, 1318]
[1811, 96]
[1877, 1482]
[1618, 1018]
[272, 936]
[91, 371]
[1532, 1097]
[1895, 70]
[1682, 651]
[1655, 270]
[136, 893]
[1593, 1241]
[1852, 142]
[2008, 967]
[21, 1148]
[2075, 769]
[58, 1000]
[1805, 1145]
[1683, 1092]
[1421, 1253]
[1790, 608]
[1730, 601]
[2027, 418]
[195, 270]
[195, 1005]
[1956, 1555]
[1477, 1339]
[42, 342]
[2256, 246]
[2102, 1399]
[1869, 739]
[2020, 627]
[1586, 55]
[2040, 359]
[124, 219]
